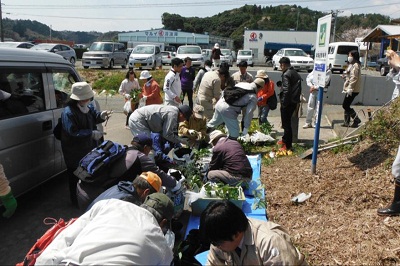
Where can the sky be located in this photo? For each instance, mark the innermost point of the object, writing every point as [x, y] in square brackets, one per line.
[124, 15]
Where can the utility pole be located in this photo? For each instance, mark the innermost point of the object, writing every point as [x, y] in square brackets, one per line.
[50, 31]
[334, 16]
[1, 23]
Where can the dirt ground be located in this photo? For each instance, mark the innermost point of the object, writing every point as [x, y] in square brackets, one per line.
[338, 225]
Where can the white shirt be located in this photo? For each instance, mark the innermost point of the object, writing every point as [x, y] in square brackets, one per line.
[172, 85]
[111, 232]
[127, 86]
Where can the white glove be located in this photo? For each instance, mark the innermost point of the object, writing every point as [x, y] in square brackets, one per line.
[245, 131]
[127, 96]
[349, 92]
[144, 97]
[178, 184]
[343, 91]
[192, 132]
[105, 114]
[96, 135]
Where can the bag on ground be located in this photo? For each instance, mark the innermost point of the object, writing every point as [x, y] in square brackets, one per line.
[231, 95]
[44, 241]
[94, 167]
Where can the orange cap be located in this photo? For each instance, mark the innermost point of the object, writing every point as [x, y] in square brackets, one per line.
[153, 179]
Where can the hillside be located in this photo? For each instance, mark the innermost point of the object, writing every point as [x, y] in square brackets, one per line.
[230, 23]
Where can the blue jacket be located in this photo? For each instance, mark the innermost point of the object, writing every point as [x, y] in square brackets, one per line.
[161, 148]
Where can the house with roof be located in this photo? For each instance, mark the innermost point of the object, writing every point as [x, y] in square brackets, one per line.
[386, 35]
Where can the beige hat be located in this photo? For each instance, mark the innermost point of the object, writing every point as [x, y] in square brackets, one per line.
[198, 111]
[81, 91]
[145, 74]
[261, 74]
[260, 82]
[216, 135]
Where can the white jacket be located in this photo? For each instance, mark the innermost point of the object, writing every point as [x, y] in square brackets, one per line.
[111, 232]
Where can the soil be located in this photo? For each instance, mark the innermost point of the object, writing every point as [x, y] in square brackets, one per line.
[339, 224]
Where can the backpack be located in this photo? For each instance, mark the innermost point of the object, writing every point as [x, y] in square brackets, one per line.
[94, 167]
[272, 101]
[232, 94]
[43, 242]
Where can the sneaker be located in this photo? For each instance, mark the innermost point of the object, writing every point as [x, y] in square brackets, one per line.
[280, 142]
[307, 125]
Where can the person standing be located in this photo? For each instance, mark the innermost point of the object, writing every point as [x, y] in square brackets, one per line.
[187, 77]
[79, 134]
[216, 55]
[200, 74]
[312, 99]
[6, 196]
[351, 88]
[289, 96]
[172, 83]
[151, 90]
[129, 84]
[242, 75]
[267, 91]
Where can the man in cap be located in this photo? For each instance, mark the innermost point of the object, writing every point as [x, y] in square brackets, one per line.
[242, 75]
[210, 90]
[145, 184]
[267, 91]
[290, 98]
[195, 129]
[127, 168]
[228, 113]
[162, 119]
[229, 163]
[239, 240]
[115, 232]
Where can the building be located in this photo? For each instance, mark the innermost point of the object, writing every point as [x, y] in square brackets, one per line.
[175, 38]
[386, 35]
[267, 43]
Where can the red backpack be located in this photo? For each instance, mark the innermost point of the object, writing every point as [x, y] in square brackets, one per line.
[42, 243]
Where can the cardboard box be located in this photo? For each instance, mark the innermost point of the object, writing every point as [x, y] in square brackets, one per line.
[201, 204]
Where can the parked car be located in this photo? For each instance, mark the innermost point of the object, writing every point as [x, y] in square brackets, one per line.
[227, 56]
[192, 51]
[206, 54]
[245, 55]
[39, 85]
[25, 45]
[299, 59]
[105, 54]
[382, 65]
[64, 50]
[167, 57]
[145, 56]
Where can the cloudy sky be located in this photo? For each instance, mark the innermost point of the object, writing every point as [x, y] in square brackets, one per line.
[124, 15]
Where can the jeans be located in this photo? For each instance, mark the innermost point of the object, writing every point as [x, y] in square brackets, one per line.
[263, 114]
[231, 124]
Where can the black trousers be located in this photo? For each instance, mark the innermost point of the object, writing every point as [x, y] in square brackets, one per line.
[286, 119]
[347, 102]
[190, 97]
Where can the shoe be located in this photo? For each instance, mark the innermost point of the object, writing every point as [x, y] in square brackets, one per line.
[280, 142]
[307, 125]
[283, 148]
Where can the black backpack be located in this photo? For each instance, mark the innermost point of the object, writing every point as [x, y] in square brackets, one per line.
[272, 101]
[232, 94]
[95, 166]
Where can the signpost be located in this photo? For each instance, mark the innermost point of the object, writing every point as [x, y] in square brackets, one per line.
[320, 66]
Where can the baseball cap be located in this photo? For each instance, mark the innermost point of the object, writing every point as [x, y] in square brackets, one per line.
[161, 203]
[153, 179]
[186, 111]
[143, 139]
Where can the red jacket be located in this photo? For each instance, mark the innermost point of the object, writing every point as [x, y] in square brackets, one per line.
[266, 92]
[153, 93]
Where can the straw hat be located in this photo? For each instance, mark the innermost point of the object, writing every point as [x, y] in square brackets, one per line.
[81, 91]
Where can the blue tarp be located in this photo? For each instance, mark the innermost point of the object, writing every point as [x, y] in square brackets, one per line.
[279, 45]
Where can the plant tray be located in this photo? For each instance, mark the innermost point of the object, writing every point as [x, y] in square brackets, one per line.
[201, 204]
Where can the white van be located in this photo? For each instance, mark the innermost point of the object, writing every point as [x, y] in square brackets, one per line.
[35, 87]
[338, 53]
[145, 56]
[245, 55]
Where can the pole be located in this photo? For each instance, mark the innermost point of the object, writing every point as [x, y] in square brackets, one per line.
[50, 32]
[317, 128]
[334, 26]
[1, 23]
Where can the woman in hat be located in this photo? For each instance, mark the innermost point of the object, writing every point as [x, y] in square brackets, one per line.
[216, 55]
[151, 90]
[263, 95]
[79, 134]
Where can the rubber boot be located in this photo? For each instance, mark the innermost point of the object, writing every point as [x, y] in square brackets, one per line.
[356, 120]
[346, 120]
[10, 203]
[394, 208]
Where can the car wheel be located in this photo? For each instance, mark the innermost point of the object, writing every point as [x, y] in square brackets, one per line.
[274, 67]
[383, 72]
[111, 66]
[85, 67]
[154, 66]
[72, 61]
[125, 63]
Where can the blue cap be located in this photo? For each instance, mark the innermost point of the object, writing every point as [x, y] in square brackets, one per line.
[143, 139]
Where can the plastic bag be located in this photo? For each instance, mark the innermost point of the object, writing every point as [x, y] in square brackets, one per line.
[127, 107]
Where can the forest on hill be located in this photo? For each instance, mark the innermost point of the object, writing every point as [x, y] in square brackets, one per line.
[230, 23]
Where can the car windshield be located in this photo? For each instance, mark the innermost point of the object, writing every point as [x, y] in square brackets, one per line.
[43, 46]
[98, 46]
[189, 50]
[225, 51]
[345, 49]
[295, 53]
[244, 52]
[143, 50]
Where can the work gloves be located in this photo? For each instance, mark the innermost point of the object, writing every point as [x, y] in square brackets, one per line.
[96, 135]
[105, 114]
[10, 203]
[259, 99]
[127, 96]
[192, 132]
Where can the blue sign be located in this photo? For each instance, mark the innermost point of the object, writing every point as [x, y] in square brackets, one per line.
[319, 67]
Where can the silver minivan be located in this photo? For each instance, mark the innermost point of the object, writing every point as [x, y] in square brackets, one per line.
[35, 87]
[105, 54]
